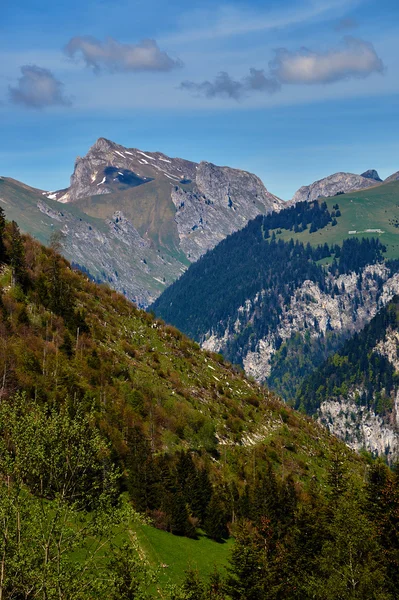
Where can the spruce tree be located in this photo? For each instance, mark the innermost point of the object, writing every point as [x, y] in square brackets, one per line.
[16, 254]
[2, 232]
[215, 524]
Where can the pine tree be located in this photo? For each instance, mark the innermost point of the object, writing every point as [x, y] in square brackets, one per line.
[16, 255]
[249, 568]
[215, 524]
[2, 233]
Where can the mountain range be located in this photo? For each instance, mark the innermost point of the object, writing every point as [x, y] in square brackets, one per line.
[118, 429]
[138, 219]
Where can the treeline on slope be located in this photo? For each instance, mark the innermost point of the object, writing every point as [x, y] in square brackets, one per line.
[342, 543]
[210, 293]
[356, 366]
[300, 216]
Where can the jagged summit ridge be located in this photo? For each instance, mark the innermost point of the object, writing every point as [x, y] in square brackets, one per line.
[108, 165]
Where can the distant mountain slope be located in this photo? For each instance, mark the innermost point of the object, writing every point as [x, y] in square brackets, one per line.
[279, 305]
[179, 205]
[137, 219]
[338, 183]
[355, 393]
[393, 177]
[110, 249]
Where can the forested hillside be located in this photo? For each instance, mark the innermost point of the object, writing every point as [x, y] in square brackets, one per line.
[360, 382]
[279, 307]
[106, 413]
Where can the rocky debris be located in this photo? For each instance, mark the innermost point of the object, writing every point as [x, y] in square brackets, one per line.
[338, 183]
[371, 174]
[393, 177]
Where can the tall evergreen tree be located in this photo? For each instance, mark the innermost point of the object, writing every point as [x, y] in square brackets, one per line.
[16, 254]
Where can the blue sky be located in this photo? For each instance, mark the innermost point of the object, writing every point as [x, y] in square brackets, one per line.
[308, 87]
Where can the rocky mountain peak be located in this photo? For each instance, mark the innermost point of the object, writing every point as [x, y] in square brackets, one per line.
[338, 183]
[371, 174]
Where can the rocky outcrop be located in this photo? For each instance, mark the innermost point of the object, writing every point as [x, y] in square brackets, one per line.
[311, 312]
[339, 183]
[222, 201]
[393, 177]
[371, 174]
[360, 427]
[352, 419]
[108, 166]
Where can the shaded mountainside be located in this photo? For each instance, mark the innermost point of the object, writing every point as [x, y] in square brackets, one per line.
[99, 398]
[108, 249]
[355, 393]
[277, 300]
[136, 219]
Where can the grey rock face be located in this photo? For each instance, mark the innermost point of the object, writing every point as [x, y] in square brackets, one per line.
[359, 425]
[333, 185]
[222, 201]
[393, 177]
[311, 311]
[371, 174]
[114, 252]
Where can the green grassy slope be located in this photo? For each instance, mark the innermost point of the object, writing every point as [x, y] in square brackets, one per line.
[19, 202]
[149, 207]
[179, 553]
[376, 208]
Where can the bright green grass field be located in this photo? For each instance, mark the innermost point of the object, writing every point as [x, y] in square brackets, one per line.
[180, 553]
[375, 208]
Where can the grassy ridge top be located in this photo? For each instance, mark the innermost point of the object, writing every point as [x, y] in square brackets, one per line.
[373, 212]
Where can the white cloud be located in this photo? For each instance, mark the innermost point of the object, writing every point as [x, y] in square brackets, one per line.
[37, 88]
[113, 56]
[354, 59]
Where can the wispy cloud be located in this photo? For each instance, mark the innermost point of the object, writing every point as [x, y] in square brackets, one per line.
[346, 24]
[113, 56]
[228, 20]
[38, 88]
[354, 59]
[225, 86]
